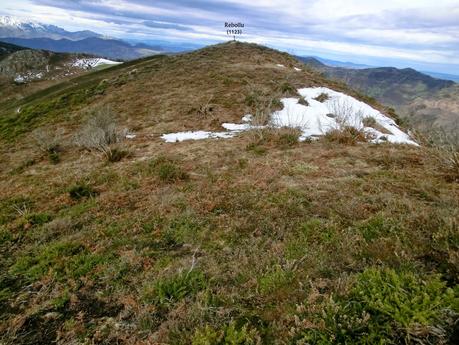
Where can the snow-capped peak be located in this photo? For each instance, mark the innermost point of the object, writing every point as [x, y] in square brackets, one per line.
[25, 28]
[17, 22]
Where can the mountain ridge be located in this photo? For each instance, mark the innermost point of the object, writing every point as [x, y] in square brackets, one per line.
[36, 35]
[418, 97]
[15, 27]
[352, 65]
[109, 48]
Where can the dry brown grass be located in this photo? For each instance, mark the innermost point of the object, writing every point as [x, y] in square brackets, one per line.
[347, 135]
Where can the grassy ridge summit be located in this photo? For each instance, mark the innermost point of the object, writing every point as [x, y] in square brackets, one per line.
[167, 93]
[110, 235]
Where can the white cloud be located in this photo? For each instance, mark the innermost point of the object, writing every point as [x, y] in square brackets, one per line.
[415, 30]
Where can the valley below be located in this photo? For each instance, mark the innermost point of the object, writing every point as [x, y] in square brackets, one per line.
[422, 100]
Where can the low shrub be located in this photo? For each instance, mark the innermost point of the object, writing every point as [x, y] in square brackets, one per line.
[347, 135]
[38, 218]
[369, 121]
[287, 88]
[274, 279]
[170, 290]
[303, 101]
[322, 97]
[376, 227]
[116, 154]
[81, 191]
[101, 133]
[443, 147]
[49, 143]
[286, 136]
[386, 307]
[228, 335]
[257, 148]
[167, 169]
[398, 120]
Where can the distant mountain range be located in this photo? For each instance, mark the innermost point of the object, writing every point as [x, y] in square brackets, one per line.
[334, 63]
[445, 76]
[110, 48]
[418, 96]
[50, 37]
[15, 27]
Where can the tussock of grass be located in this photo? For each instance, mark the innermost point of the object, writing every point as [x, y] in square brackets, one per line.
[81, 191]
[230, 334]
[347, 135]
[322, 97]
[167, 169]
[173, 289]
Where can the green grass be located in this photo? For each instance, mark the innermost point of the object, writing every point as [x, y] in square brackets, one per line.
[167, 169]
[167, 291]
[228, 335]
[387, 307]
[80, 191]
[61, 260]
[275, 278]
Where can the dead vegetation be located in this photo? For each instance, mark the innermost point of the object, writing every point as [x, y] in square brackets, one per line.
[102, 134]
[443, 147]
[349, 129]
[49, 142]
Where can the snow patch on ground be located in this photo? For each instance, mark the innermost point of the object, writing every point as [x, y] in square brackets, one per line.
[280, 65]
[297, 69]
[26, 77]
[195, 135]
[92, 63]
[337, 110]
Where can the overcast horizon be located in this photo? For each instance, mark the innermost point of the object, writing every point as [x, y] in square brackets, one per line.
[420, 34]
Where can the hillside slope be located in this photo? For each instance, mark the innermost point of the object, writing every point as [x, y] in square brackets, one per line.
[7, 48]
[425, 100]
[256, 239]
[24, 71]
[109, 48]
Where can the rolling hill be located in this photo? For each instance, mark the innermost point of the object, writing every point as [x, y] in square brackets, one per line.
[6, 49]
[24, 71]
[109, 48]
[110, 233]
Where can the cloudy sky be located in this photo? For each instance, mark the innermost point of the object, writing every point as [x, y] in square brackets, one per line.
[423, 34]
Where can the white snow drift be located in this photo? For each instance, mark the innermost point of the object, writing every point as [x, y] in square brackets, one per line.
[28, 76]
[315, 118]
[90, 63]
